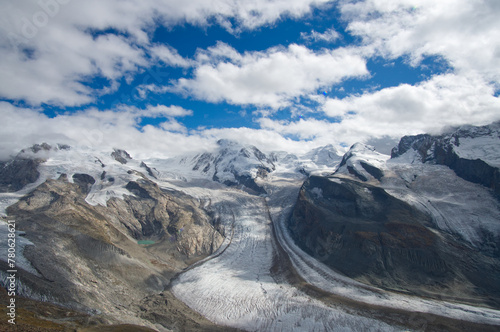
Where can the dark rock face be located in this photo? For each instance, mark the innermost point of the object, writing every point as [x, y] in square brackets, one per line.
[148, 169]
[372, 170]
[38, 147]
[121, 156]
[476, 171]
[420, 143]
[84, 181]
[247, 181]
[367, 234]
[15, 174]
[440, 150]
[357, 174]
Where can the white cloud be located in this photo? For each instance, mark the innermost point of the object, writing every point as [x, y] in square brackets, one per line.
[271, 78]
[445, 100]
[169, 56]
[51, 66]
[329, 36]
[173, 125]
[94, 129]
[267, 140]
[105, 130]
[168, 111]
[464, 32]
[303, 129]
[386, 115]
[48, 53]
[48, 50]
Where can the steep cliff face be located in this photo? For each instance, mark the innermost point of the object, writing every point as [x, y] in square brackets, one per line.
[369, 235]
[17, 173]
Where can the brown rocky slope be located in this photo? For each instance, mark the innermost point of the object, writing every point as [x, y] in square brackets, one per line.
[113, 262]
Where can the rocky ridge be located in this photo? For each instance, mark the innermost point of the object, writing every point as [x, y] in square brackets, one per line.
[106, 259]
[414, 222]
[472, 152]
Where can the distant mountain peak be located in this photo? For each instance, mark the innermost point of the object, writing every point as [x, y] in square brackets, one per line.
[473, 152]
[38, 149]
[363, 161]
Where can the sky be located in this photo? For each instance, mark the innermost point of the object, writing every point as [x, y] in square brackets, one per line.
[166, 77]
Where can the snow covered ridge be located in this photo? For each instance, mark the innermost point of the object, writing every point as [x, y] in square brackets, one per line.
[105, 174]
[231, 164]
[363, 162]
[244, 166]
[467, 142]
[472, 152]
[428, 172]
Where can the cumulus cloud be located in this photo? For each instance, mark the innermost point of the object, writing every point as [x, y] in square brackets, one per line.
[51, 49]
[271, 78]
[464, 32]
[104, 130]
[95, 129]
[303, 129]
[169, 56]
[381, 117]
[444, 100]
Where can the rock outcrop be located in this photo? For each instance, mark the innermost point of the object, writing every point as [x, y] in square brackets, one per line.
[17, 173]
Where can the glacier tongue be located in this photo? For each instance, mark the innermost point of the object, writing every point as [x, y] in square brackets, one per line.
[236, 287]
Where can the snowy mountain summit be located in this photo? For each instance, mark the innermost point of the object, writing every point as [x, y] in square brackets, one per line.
[363, 162]
[231, 164]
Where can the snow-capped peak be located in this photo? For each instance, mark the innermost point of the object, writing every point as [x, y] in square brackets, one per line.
[231, 163]
[364, 162]
[326, 155]
[467, 142]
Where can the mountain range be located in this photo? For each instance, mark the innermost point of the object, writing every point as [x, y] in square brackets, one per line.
[239, 239]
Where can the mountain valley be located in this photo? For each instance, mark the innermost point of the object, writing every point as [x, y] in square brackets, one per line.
[241, 239]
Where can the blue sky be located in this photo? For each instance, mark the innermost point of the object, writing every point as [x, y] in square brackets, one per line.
[160, 78]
